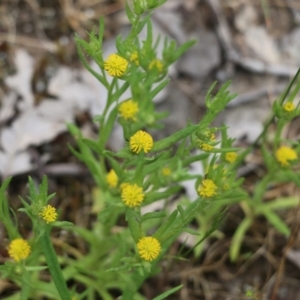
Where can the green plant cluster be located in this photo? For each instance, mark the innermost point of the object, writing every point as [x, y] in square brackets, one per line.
[121, 257]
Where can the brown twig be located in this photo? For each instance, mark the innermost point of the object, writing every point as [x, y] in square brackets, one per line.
[289, 244]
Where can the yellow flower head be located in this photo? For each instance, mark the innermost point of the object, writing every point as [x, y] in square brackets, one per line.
[112, 179]
[288, 106]
[156, 64]
[141, 140]
[18, 249]
[166, 171]
[212, 136]
[206, 147]
[148, 248]
[285, 154]
[207, 189]
[132, 195]
[115, 65]
[230, 157]
[48, 214]
[135, 58]
[128, 110]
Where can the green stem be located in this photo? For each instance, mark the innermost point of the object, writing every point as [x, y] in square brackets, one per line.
[134, 32]
[280, 127]
[266, 127]
[25, 286]
[261, 187]
[238, 238]
[107, 105]
[54, 266]
[102, 79]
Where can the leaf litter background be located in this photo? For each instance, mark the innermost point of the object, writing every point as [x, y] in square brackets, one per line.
[43, 86]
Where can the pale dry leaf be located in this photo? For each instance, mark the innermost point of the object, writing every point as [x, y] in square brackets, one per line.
[246, 121]
[262, 44]
[246, 17]
[7, 108]
[16, 163]
[21, 81]
[30, 129]
[291, 46]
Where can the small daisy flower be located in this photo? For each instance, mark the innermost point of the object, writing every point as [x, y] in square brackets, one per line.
[115, 65]
[285, 154]
[156, 64]
[132, 195]
[148, 248]
[207, 189]
[206, 147]
[231, 157]
[19, 249]
[48, 214]
[212, 136]
[288, 106]
[112, 179]
[135, 58]
[128, 110]
[141, 140]
[166, 171]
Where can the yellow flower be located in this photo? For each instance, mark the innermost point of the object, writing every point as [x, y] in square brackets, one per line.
[157, 64]
[141, 140]
[115, 65]
[19, 249]
[207, 189]
[212, 136]
[148, 248]
[128, 109]
[48, 214]
[135, 58]
[230, 157]
[206, 147]
[112, 178]
[288, 106]
[132, 195]
[284, 154]
[166, 171]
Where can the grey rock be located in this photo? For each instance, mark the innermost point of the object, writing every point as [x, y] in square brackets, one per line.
[202, 58]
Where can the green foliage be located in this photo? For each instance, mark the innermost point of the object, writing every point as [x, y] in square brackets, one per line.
[125, 244]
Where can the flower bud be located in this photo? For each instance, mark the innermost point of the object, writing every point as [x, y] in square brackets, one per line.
[140, 6]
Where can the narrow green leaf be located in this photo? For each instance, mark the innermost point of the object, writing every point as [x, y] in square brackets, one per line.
[193, 232]
[54, 267]
[44, 190]
[4, 185]
[154, 196]
[93, 145]
[181, 211]
[168, 293]
[104, 134]
[101, 31]
[274, 219]
[62, 224]
[153, 215]
[174, 138]
[170, 220]
[134, 224]
[238, 238]
[158, 88]
[130, 15]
